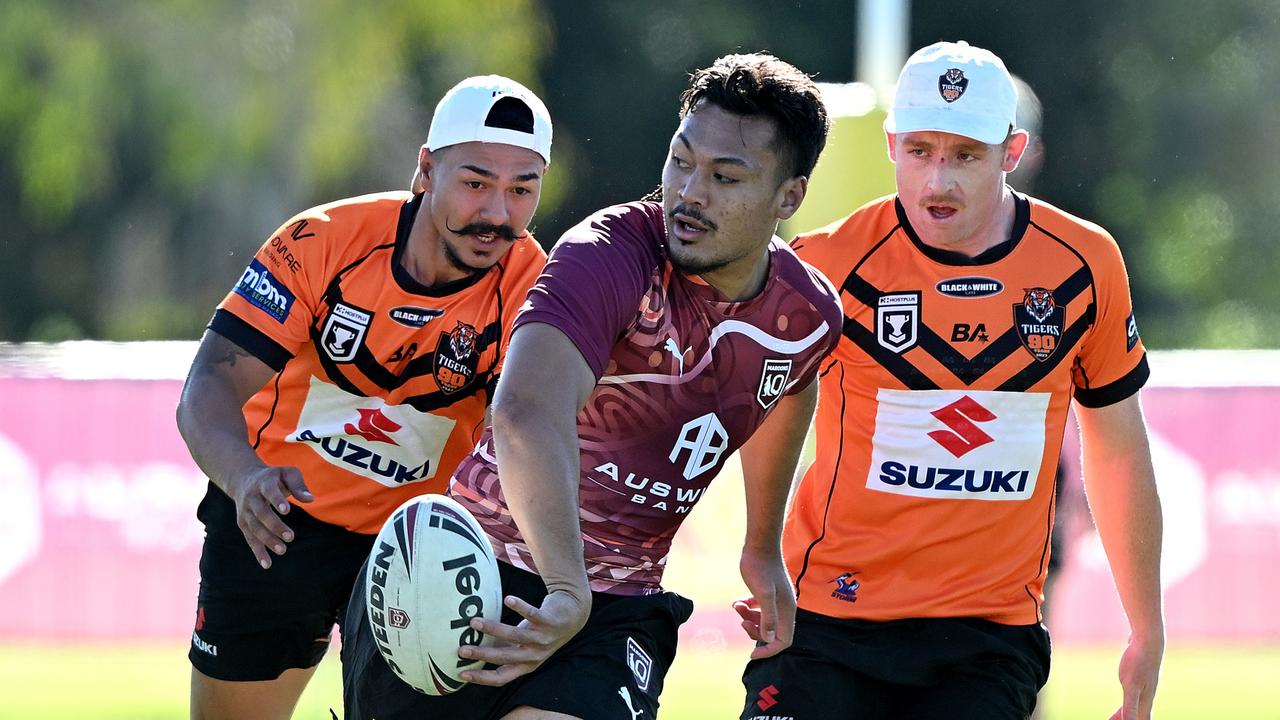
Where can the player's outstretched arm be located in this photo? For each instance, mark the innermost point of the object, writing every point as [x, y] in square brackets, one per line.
[223, 377]
[768, 467]
[1120, 484]
[545, 383]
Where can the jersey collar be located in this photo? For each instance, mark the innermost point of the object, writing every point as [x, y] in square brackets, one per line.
[409, 211]
[1021, 218]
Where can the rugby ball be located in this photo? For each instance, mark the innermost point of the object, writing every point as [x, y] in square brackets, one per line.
[430, 572]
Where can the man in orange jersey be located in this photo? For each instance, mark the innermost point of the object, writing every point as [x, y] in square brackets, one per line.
[919, 538]
[348, 370]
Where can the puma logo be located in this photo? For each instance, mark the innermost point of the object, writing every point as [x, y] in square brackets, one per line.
[626, 696]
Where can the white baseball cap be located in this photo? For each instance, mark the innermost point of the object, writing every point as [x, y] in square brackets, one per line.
[491, 109]
[955, 88]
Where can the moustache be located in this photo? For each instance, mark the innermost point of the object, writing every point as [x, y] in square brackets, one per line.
[694, 213]
[940, 200]
[506, 232]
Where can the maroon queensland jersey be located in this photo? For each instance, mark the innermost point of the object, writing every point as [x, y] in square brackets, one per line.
[685, 376]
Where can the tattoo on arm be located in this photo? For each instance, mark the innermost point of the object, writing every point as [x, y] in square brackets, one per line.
[229, 356]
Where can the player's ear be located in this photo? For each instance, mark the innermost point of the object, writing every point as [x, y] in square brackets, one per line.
[1015, 145]
[422, 176]
[890, 144]
[790, 194]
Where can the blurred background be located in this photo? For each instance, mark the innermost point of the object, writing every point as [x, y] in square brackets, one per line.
[147, 148]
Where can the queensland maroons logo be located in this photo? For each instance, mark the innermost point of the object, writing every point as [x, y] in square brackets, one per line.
[952, 84]
[1039, 321]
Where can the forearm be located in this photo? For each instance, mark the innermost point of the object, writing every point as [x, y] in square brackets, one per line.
[538, 463]
[769, 464]
[1121, 488]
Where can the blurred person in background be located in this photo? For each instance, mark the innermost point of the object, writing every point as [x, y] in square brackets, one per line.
[1023, 178]
[348, 370]
[918, 541]
[662, 337]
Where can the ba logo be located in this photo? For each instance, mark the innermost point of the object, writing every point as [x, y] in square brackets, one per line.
[373, 426]
[343, 332]
[706, 440]
[1039, 321]
[456, 358]
[952, 84]
[773, 381]
[964, 332]
[898, 321]
[964, 435]
[846, 587]
[640, 663]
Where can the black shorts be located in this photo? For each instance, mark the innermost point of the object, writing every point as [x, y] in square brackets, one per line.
[955, 668]
[613, 668]
[253, 624]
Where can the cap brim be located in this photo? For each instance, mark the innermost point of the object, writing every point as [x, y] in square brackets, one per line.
[989, 129]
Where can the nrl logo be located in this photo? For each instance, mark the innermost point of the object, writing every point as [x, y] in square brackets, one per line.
[952, 84]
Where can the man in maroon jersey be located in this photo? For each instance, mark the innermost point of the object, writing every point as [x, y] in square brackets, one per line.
[659, 339]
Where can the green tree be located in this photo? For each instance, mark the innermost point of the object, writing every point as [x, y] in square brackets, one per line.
[147, 148]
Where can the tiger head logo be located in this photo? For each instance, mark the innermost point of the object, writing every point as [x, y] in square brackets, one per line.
[952, 84]
[1039, 303]
[462, 341]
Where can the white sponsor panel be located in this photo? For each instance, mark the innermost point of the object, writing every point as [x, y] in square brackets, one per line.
[21, 526]
[400, 446]
[958, 444]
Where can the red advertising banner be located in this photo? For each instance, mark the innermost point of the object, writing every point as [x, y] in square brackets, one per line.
[99, 540]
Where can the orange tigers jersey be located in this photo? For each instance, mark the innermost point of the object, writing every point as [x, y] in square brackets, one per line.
[382, 382]
[941, 412]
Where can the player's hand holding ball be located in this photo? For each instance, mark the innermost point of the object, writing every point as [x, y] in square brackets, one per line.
[522, 648]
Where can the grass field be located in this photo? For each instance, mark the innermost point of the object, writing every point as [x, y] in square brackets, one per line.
[108, 682]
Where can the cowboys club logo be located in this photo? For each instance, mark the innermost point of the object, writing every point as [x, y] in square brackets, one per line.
[343, 332]
[456, 358]
[1039, 320]
[898, 321]
[952, 84]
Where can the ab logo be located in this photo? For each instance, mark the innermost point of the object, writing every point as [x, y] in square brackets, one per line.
[706, 440]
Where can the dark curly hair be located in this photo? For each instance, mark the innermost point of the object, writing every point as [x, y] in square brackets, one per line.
[761, 84]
